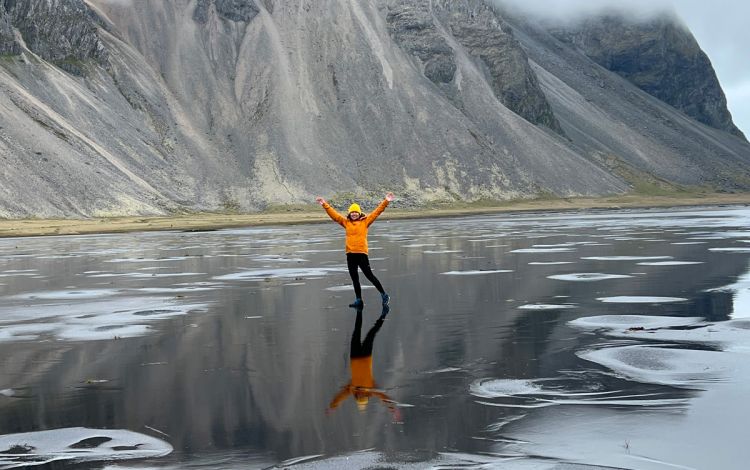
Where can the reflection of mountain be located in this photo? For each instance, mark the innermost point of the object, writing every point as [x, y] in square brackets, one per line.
[264, 383]
[154, 106]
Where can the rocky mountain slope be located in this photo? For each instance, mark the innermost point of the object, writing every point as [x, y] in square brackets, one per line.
[660, 57]
[114, 107]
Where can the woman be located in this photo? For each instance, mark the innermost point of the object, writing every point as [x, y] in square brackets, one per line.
[356, 224]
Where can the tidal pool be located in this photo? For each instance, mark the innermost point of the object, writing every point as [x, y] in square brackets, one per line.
[235, 349]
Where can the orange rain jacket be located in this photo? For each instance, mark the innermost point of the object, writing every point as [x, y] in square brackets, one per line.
[356, 230]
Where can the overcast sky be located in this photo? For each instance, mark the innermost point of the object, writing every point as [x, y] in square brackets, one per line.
[721, 27]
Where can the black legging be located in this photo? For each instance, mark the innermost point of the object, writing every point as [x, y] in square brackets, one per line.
[359, 348]
[361, 261]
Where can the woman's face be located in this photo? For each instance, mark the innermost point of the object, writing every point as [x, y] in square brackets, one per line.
[354, 215]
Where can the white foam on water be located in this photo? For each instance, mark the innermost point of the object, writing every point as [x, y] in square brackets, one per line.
[685, 368]
[171, 290]
[688, 243]
[183, 248]
[444, 370]
[625, 258]
[20, 274]
[713, 414]
[587, 277]
[669, 263]
[646, 439]
[437, 252]
[546, 306]
[143, 275]
[476, 272]
[93, 320]
[28, 332]
[556, 245]
[542, 250]
[733, 234]
[77, 294]
[318, 251]
[549, 263]
[639, 299]
[730, 249]
[277, 258]
[620, 322]
[347, 287]
[532, 394]
[201, 284]
[404, 461]
[147, 260]
[495, 246]
[418, 245]
[496, 388]
[78, 445]
[261, 274]
[731, 335]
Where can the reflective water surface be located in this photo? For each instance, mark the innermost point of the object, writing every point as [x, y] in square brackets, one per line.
[570, 340]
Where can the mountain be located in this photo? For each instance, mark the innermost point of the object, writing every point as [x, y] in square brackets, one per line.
[661, 57]
[123, 107]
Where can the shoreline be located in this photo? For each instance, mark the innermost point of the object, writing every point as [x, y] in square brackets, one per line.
[10, 228]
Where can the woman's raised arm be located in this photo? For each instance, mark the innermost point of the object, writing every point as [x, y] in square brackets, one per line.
[381, 207]
[338, 218]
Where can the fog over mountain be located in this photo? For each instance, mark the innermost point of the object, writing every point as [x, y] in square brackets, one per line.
[720, 28]
[112, 107]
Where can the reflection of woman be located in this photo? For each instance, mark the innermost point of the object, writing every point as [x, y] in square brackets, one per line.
[356, 224]
[362, 385]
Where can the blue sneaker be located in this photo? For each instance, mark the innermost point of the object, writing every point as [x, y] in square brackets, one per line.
[386, 298]
[386, 311]
[357, 304]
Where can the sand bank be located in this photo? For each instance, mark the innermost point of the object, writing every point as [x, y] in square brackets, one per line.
[213, 221]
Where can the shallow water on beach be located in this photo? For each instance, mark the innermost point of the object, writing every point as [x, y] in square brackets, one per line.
[558, 340]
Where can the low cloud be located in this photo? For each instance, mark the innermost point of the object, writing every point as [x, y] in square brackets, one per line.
[720, 28]
[572, 10]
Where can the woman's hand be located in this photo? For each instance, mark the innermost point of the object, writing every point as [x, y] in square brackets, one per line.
[390, 197]
[320, 200]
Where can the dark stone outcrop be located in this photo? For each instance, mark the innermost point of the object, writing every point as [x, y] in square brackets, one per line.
[233, 10]
[659, 56]
[513, 81]
[480, 29]
[59, 31]
[416, 27]
[411, 25]
[8, 44]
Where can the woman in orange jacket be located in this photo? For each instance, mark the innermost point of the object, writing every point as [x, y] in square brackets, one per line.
[356, 224]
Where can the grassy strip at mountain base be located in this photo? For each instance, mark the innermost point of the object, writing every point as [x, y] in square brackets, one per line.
[301, 214]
